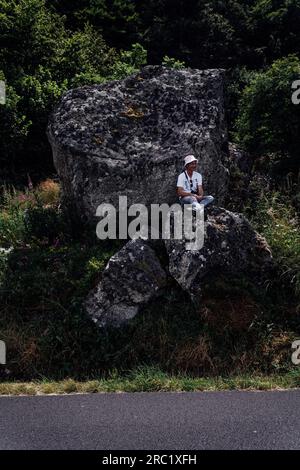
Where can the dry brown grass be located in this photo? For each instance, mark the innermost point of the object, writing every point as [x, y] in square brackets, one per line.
[236, 313]
[194, 355]
[48, 192]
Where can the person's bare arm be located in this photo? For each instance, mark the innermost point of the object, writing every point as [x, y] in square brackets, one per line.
[200, 192]
[182, 193]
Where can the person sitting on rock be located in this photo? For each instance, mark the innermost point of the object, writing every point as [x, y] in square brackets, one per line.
[189, 185]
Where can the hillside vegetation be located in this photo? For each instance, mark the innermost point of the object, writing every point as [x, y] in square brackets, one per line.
[46, 270]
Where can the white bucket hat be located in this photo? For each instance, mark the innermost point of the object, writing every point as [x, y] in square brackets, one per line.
[189, 159]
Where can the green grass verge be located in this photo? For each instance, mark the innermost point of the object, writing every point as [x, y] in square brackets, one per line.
[153, 380]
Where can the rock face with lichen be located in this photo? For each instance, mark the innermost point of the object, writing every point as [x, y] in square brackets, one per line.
[231, 247]
[129, 138]
[132, 277]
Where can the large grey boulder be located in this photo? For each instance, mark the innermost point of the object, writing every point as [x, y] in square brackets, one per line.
[129, 137]
[231, 247]
[132, 277]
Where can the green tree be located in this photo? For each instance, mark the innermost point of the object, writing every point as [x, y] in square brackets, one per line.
[40, 59]
[30, 36]
[116, 20]
[275, 28]
[268, 121]
[14, 127]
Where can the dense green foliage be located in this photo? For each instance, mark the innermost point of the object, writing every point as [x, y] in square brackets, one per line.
[268, 122]
[203, 33]
[39, 60]
[47, 47]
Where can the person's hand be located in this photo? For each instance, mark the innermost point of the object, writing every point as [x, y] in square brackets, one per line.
[199, 198]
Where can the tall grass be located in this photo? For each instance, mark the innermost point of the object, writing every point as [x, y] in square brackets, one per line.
[12, 225]
[16, 205]
[278, 221]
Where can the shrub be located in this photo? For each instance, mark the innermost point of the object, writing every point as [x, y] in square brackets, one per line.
[48, 192]
[268, 121]
[31, 215]
[172, 63]
[129, 62]
[276, 219]
[43, 224]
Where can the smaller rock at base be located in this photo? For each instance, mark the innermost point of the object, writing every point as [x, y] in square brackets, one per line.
[132, 277]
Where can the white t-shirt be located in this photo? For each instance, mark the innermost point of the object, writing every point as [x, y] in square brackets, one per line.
[189, 184]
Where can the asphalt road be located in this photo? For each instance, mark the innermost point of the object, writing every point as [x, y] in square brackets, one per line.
[152, 421]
